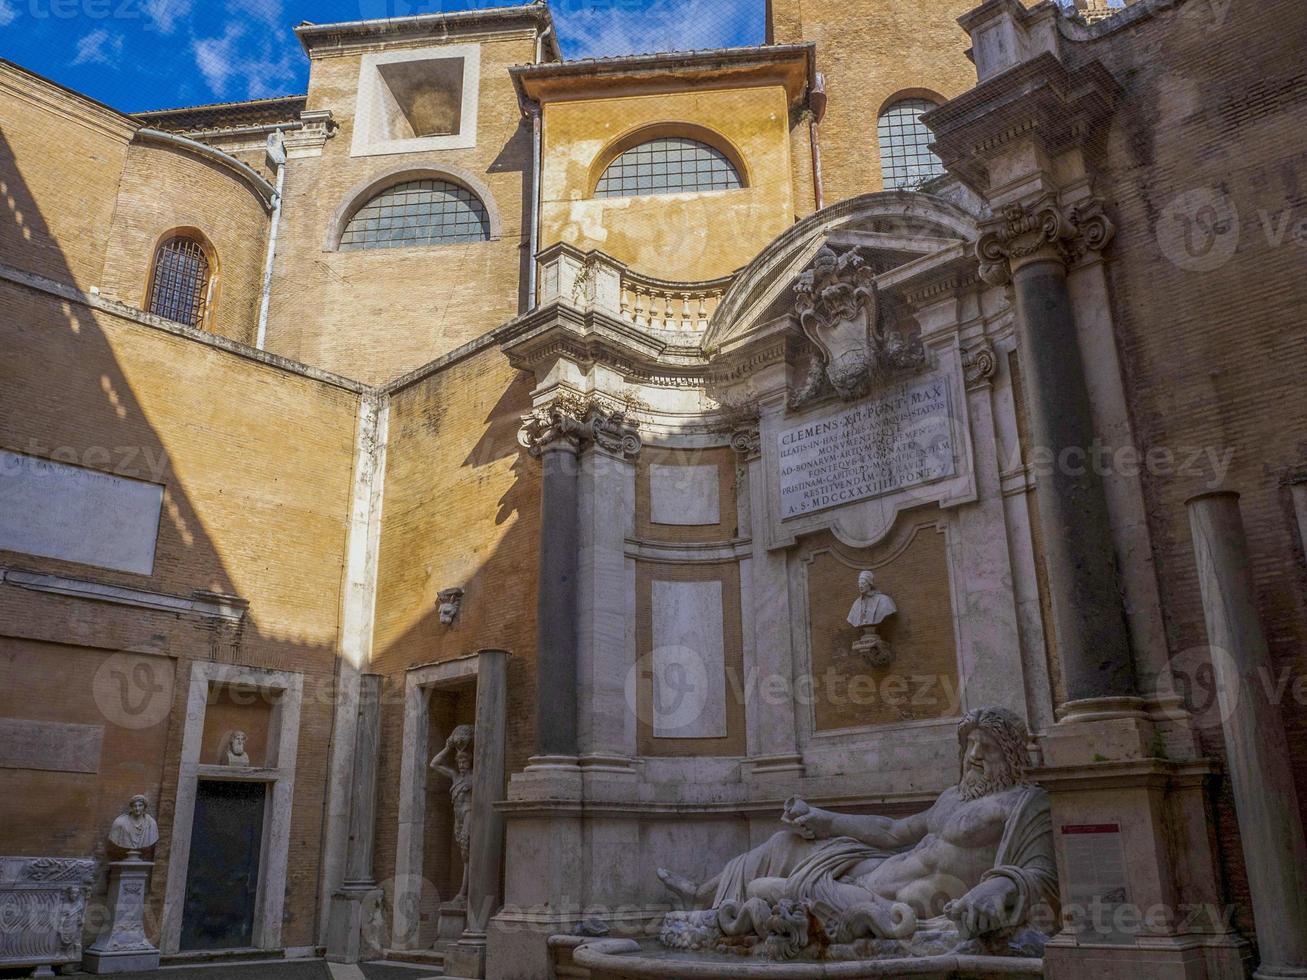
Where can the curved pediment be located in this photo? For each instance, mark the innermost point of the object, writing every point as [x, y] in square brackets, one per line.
[892, 230]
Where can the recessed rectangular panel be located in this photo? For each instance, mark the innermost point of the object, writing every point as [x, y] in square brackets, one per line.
[685, 495]
[52, 746]
[55, 510]
[689, 660]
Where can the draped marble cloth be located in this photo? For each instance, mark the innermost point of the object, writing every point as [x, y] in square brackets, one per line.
[812, 869]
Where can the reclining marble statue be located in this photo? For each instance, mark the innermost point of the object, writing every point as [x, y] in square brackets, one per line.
[966, 875]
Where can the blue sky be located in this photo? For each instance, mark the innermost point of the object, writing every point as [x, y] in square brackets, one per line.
[151, 54]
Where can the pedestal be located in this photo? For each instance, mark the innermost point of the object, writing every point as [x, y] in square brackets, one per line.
[354, 925]
[122, 947]
[452, 922]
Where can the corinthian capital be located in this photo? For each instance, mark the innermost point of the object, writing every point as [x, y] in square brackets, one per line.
[580, 422]
[1045, 229]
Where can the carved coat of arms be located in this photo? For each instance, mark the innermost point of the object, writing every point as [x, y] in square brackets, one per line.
[839, 310]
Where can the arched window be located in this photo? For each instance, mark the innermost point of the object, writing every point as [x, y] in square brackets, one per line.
[668, 165]
[418, 212]
[179, 287]
[906, 159]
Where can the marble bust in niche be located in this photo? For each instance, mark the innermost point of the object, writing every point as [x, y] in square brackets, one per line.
[870, 609]
[235, 753]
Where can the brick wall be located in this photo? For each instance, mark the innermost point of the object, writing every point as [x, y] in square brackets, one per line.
[164, 189]
[871, 51]
[462, 506]
[257, 468]
[1211, 331]
[378, 314]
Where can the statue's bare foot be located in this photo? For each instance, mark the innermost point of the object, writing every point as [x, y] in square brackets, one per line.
[685, 890]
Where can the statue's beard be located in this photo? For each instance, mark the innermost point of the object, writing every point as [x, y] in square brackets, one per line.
[977, 783]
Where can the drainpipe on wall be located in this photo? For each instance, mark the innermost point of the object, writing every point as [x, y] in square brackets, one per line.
[817, 106]
[276, 155]
[536, 128]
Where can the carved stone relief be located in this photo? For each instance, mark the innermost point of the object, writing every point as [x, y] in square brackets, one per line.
[839, 310]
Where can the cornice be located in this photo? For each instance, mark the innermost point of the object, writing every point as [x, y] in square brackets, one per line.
[1040, 99]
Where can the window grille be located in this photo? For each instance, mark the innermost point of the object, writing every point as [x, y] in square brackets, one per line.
[418, 212]
[179, 290]
[906, 158]
[668, 165]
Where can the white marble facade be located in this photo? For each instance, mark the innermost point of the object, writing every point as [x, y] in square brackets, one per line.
[684, 810]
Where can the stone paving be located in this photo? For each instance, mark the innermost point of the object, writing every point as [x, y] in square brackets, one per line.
[286, 970]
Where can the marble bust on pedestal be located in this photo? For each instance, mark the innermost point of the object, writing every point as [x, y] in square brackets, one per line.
[122, 945]
[135, 830]
[870, 609]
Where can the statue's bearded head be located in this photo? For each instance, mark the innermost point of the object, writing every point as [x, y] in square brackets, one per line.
[238, 743]
[992, 742]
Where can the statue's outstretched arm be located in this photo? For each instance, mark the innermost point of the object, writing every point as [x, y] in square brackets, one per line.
[886, 833]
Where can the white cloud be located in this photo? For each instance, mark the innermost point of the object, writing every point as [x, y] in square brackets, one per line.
[238, 59]
[99, 48]
[164, 14]
[7, 13]
[599, 30]
[267, 11]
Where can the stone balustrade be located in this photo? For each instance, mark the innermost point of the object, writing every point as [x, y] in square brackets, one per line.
[592, 280]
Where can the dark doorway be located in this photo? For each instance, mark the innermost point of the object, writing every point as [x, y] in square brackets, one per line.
[222, 877]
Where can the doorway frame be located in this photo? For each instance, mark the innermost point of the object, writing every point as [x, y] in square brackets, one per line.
[285, 690]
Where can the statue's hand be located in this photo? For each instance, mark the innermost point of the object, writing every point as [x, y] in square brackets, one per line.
[808, 821]
[984, 909]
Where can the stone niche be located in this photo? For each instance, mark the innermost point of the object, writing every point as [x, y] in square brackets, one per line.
[231, 709]
[442, 862]
[921, 682]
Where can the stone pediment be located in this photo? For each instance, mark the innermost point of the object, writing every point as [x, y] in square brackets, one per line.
[900, 239]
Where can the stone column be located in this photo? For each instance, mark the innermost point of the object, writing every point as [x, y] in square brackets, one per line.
[355, 907]
[1270, 823]
[486, 847]
[556, 434]
[1031, 246]
[557, 601]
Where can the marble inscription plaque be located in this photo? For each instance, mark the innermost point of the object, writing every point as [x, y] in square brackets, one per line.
[1098, 888]
[60, 511]
[899, 439]
[49, 745]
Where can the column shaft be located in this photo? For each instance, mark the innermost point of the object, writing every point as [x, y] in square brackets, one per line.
[1270, 822]
[1088, 613]
[487, 832]
[363, 786]
[556, 647]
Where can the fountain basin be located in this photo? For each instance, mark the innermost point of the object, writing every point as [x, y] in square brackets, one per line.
[627, 959]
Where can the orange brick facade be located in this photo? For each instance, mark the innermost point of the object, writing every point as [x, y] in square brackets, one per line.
[265, 474]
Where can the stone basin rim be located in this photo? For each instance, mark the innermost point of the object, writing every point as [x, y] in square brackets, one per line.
[622, 957]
